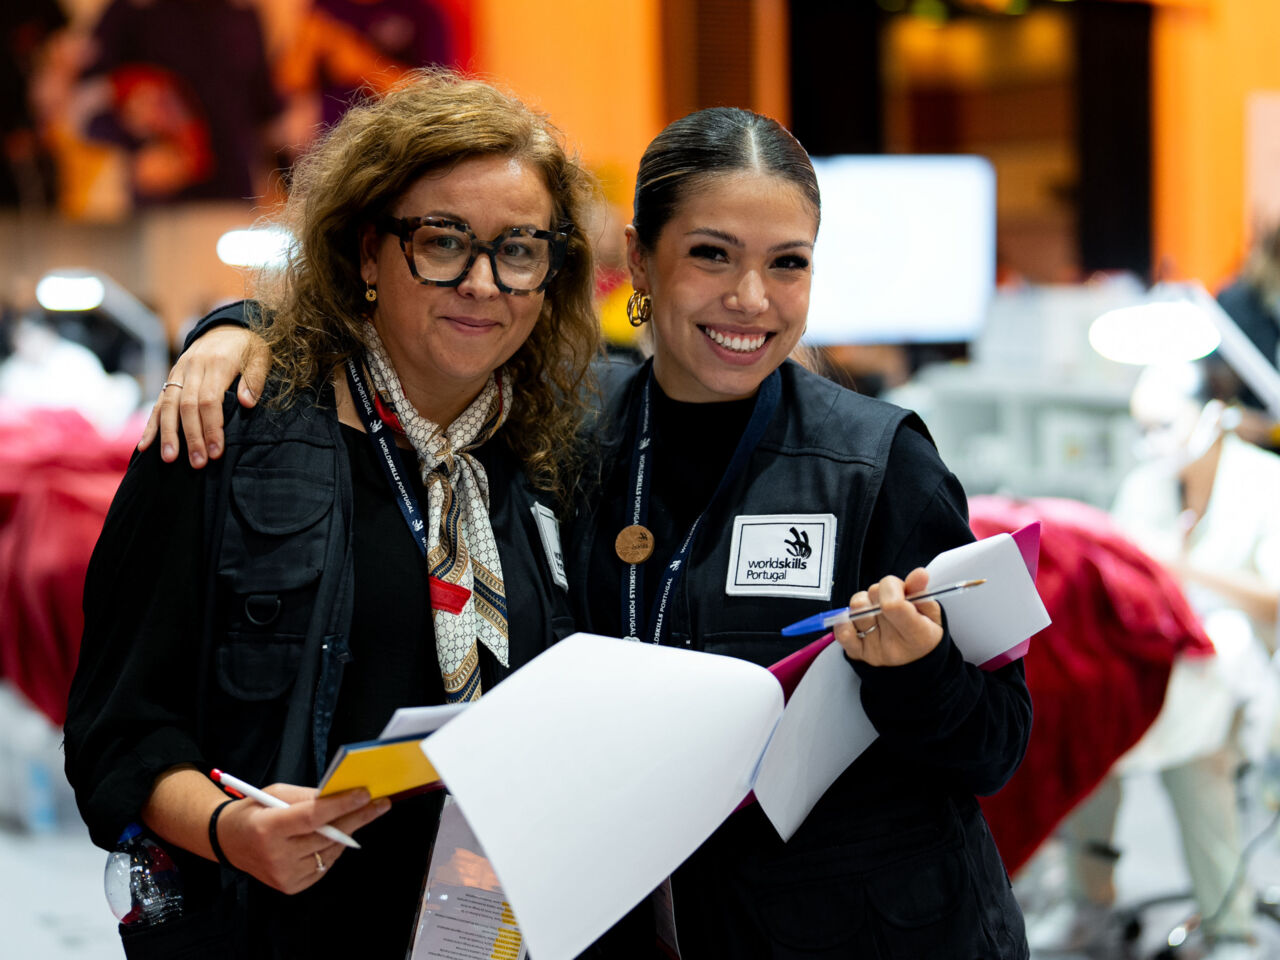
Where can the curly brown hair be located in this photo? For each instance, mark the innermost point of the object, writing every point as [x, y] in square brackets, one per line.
[433, 119]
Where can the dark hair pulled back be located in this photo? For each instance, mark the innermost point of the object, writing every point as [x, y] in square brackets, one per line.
[707, 143]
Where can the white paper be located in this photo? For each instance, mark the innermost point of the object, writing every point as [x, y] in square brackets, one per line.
[1000, 614]
[592, 772]
[419, 721]
[822, 731]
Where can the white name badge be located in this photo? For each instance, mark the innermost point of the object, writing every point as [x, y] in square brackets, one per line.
[782, 555]
[549, 531]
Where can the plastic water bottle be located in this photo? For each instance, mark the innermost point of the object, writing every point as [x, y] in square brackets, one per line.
[142, 883]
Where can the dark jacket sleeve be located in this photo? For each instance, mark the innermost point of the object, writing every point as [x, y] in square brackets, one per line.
[973, 724]
[242, 313]
[130, 714]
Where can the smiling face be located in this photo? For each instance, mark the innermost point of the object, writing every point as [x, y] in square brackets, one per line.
[729, 279]
[445, 341]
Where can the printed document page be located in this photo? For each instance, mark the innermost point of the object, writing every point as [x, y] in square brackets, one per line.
[592, 772]
[464, 915]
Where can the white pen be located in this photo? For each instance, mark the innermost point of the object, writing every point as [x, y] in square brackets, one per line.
[236, 785]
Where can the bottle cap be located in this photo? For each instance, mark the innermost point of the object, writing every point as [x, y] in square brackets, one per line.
[131, 831]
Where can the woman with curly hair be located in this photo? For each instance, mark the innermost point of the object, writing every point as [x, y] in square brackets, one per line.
[431, 339]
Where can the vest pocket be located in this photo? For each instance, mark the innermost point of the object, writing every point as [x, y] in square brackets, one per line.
[275, 543]
[274, 539]
[250, 668]
[924, 907]
[901, 889]
[206, 931]
[816, 919]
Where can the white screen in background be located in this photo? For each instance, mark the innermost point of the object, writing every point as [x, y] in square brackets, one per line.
[906, 251]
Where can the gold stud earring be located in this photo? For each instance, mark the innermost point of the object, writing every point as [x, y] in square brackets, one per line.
[639, 309]
[370, 292]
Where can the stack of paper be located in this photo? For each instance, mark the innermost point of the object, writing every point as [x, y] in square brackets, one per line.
[394, 764]
[591, 773]
[595, 770]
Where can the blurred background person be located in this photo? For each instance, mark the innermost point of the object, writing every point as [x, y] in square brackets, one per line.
[1253, 302]
[1204, 505]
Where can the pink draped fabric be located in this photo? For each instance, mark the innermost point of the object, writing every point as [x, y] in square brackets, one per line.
[1098, 673]
[57, 478]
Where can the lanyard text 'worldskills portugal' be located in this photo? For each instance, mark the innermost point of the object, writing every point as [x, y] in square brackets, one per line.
[641, 470]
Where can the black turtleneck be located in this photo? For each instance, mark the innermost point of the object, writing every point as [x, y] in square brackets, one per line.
[692, 446]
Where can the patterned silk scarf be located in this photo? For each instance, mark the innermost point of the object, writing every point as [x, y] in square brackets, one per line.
[468, 601]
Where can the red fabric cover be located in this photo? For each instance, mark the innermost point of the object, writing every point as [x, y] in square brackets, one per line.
[57, 478]
[1098, 673]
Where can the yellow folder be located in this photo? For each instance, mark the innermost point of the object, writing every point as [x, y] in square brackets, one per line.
[384, 767]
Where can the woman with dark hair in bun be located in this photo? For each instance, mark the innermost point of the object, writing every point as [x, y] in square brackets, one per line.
[732, 457]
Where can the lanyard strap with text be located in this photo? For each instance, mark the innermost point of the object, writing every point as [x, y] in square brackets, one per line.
[392, 465]
[641, 464]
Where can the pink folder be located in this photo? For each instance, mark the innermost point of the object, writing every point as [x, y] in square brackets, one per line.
[791, 668]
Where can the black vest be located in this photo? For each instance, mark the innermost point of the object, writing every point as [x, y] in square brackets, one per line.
[278, 534]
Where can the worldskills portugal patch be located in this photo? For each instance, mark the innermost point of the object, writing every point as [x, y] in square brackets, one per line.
[782, 555]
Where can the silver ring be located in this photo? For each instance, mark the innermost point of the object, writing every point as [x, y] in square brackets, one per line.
[862, 634]
[170, 383]
[319, 863]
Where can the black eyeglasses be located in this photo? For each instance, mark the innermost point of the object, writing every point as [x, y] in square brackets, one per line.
[440, 252]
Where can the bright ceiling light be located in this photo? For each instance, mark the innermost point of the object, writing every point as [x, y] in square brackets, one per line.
[70, 290]
[1164, 331]
[258, 247]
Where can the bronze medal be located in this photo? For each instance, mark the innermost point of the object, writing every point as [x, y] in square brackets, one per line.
[634, 544]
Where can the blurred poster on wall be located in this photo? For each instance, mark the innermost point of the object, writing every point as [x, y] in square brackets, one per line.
[344, 46]
[183, 87]
[26, 167]
[1262, 159]
[137, 104]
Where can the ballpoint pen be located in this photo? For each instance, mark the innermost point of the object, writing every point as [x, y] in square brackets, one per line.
[823, 621]
[235, 785]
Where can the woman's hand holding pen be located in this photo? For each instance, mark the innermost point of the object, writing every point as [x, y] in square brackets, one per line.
[280, 846]
[901, 632]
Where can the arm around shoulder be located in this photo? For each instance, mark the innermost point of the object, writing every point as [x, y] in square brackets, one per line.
[222, 346]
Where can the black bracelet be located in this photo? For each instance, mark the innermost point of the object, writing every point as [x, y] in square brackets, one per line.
[213, 834]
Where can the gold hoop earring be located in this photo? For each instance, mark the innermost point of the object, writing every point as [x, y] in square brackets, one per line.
[370, 292]
[639, 309]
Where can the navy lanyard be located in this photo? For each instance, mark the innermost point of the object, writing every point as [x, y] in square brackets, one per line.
[392, 465]
[641, 463]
